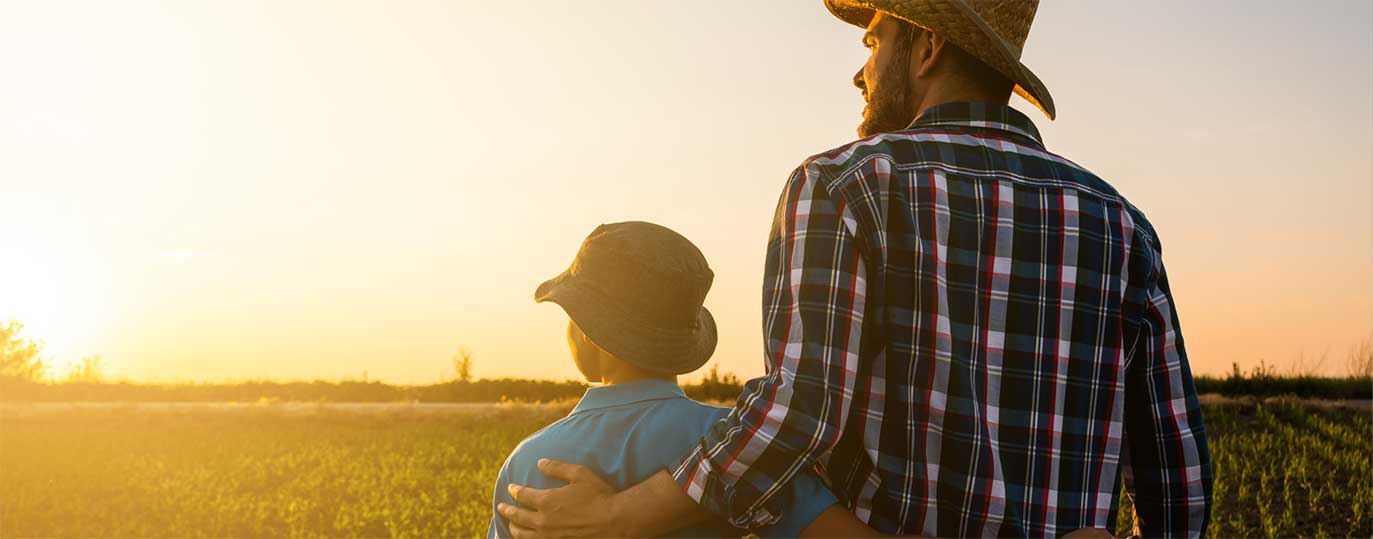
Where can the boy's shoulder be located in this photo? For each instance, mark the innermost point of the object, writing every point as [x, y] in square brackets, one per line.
[569, 435]
[690, 416]
[545, 442]
[674, 411]
[701, 408]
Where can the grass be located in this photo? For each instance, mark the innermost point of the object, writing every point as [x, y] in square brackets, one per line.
[255, 472]
[1283, 468]
[1287, 468]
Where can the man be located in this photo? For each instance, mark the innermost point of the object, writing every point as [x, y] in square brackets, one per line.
[970, 335]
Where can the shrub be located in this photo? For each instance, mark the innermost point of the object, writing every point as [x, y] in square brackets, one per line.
[20, 358]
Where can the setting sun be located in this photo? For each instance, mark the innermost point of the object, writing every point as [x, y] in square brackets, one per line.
[55, 281]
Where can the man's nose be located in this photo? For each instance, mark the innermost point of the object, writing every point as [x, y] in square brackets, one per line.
[858, 80]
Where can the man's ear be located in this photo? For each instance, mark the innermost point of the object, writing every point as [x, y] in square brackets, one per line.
[925, 53]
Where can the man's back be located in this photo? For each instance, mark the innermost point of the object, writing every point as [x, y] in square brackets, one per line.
[1002, 322]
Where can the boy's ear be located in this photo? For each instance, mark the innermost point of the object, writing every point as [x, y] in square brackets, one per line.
[584, 353]
[590, 367]
[598, 360]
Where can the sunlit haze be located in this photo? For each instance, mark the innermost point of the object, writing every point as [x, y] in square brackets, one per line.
[296, 189]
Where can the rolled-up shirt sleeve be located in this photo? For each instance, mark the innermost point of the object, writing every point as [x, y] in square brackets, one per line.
[814, 299]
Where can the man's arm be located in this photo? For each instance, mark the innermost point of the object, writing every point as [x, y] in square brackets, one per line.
[590, 507]
[815, 295]
[1166, 466]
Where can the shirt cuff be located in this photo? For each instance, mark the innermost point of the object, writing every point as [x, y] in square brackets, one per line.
[698, 478]
[809, 498]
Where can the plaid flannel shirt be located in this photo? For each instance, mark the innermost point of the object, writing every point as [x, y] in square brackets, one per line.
[970, 336]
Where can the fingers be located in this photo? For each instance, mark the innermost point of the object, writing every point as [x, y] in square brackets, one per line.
[520, 532]
[532, 498]
[519, 516]
[572, 473]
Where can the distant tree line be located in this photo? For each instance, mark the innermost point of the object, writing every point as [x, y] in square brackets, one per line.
[713, 388]
[315, 391]
[23, 378]
[1265, 381]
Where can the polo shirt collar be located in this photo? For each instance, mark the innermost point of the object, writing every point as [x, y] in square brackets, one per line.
[980, 115]
[628, 393]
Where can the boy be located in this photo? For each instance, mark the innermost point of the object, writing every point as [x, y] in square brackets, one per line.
[634, 295]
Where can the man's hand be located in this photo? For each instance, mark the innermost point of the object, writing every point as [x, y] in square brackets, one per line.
[583, 508]
[589, 507]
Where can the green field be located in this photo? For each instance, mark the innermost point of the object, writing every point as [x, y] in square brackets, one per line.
[1282, 469]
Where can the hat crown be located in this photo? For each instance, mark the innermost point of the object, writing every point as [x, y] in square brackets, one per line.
[647, 271]
[1010, 19]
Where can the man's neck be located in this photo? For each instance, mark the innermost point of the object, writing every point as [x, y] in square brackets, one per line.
[961, 94]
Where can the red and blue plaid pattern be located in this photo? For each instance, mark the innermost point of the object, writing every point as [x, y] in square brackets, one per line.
[970, 336]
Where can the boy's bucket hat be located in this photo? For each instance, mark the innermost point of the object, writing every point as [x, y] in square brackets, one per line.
[636, 290]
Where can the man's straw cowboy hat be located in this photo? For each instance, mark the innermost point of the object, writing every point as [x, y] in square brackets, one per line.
[994, 31]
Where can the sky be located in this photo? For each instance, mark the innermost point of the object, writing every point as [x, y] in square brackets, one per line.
[327, 189]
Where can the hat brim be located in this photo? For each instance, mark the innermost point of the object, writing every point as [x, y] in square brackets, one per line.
[665, 351]
[957, 22]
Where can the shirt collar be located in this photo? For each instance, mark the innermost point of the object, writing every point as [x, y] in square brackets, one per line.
[981, 115]
[628, 393]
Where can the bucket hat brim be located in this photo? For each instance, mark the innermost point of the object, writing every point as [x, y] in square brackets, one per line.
[956, 21]
[666, 351]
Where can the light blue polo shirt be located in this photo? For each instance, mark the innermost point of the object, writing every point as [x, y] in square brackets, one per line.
[628, 432]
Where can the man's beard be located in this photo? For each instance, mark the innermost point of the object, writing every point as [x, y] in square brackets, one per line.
[889, 109]
[889, 103]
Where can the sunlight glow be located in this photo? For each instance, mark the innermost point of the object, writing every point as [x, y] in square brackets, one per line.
[52, 281]
[202, 190]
